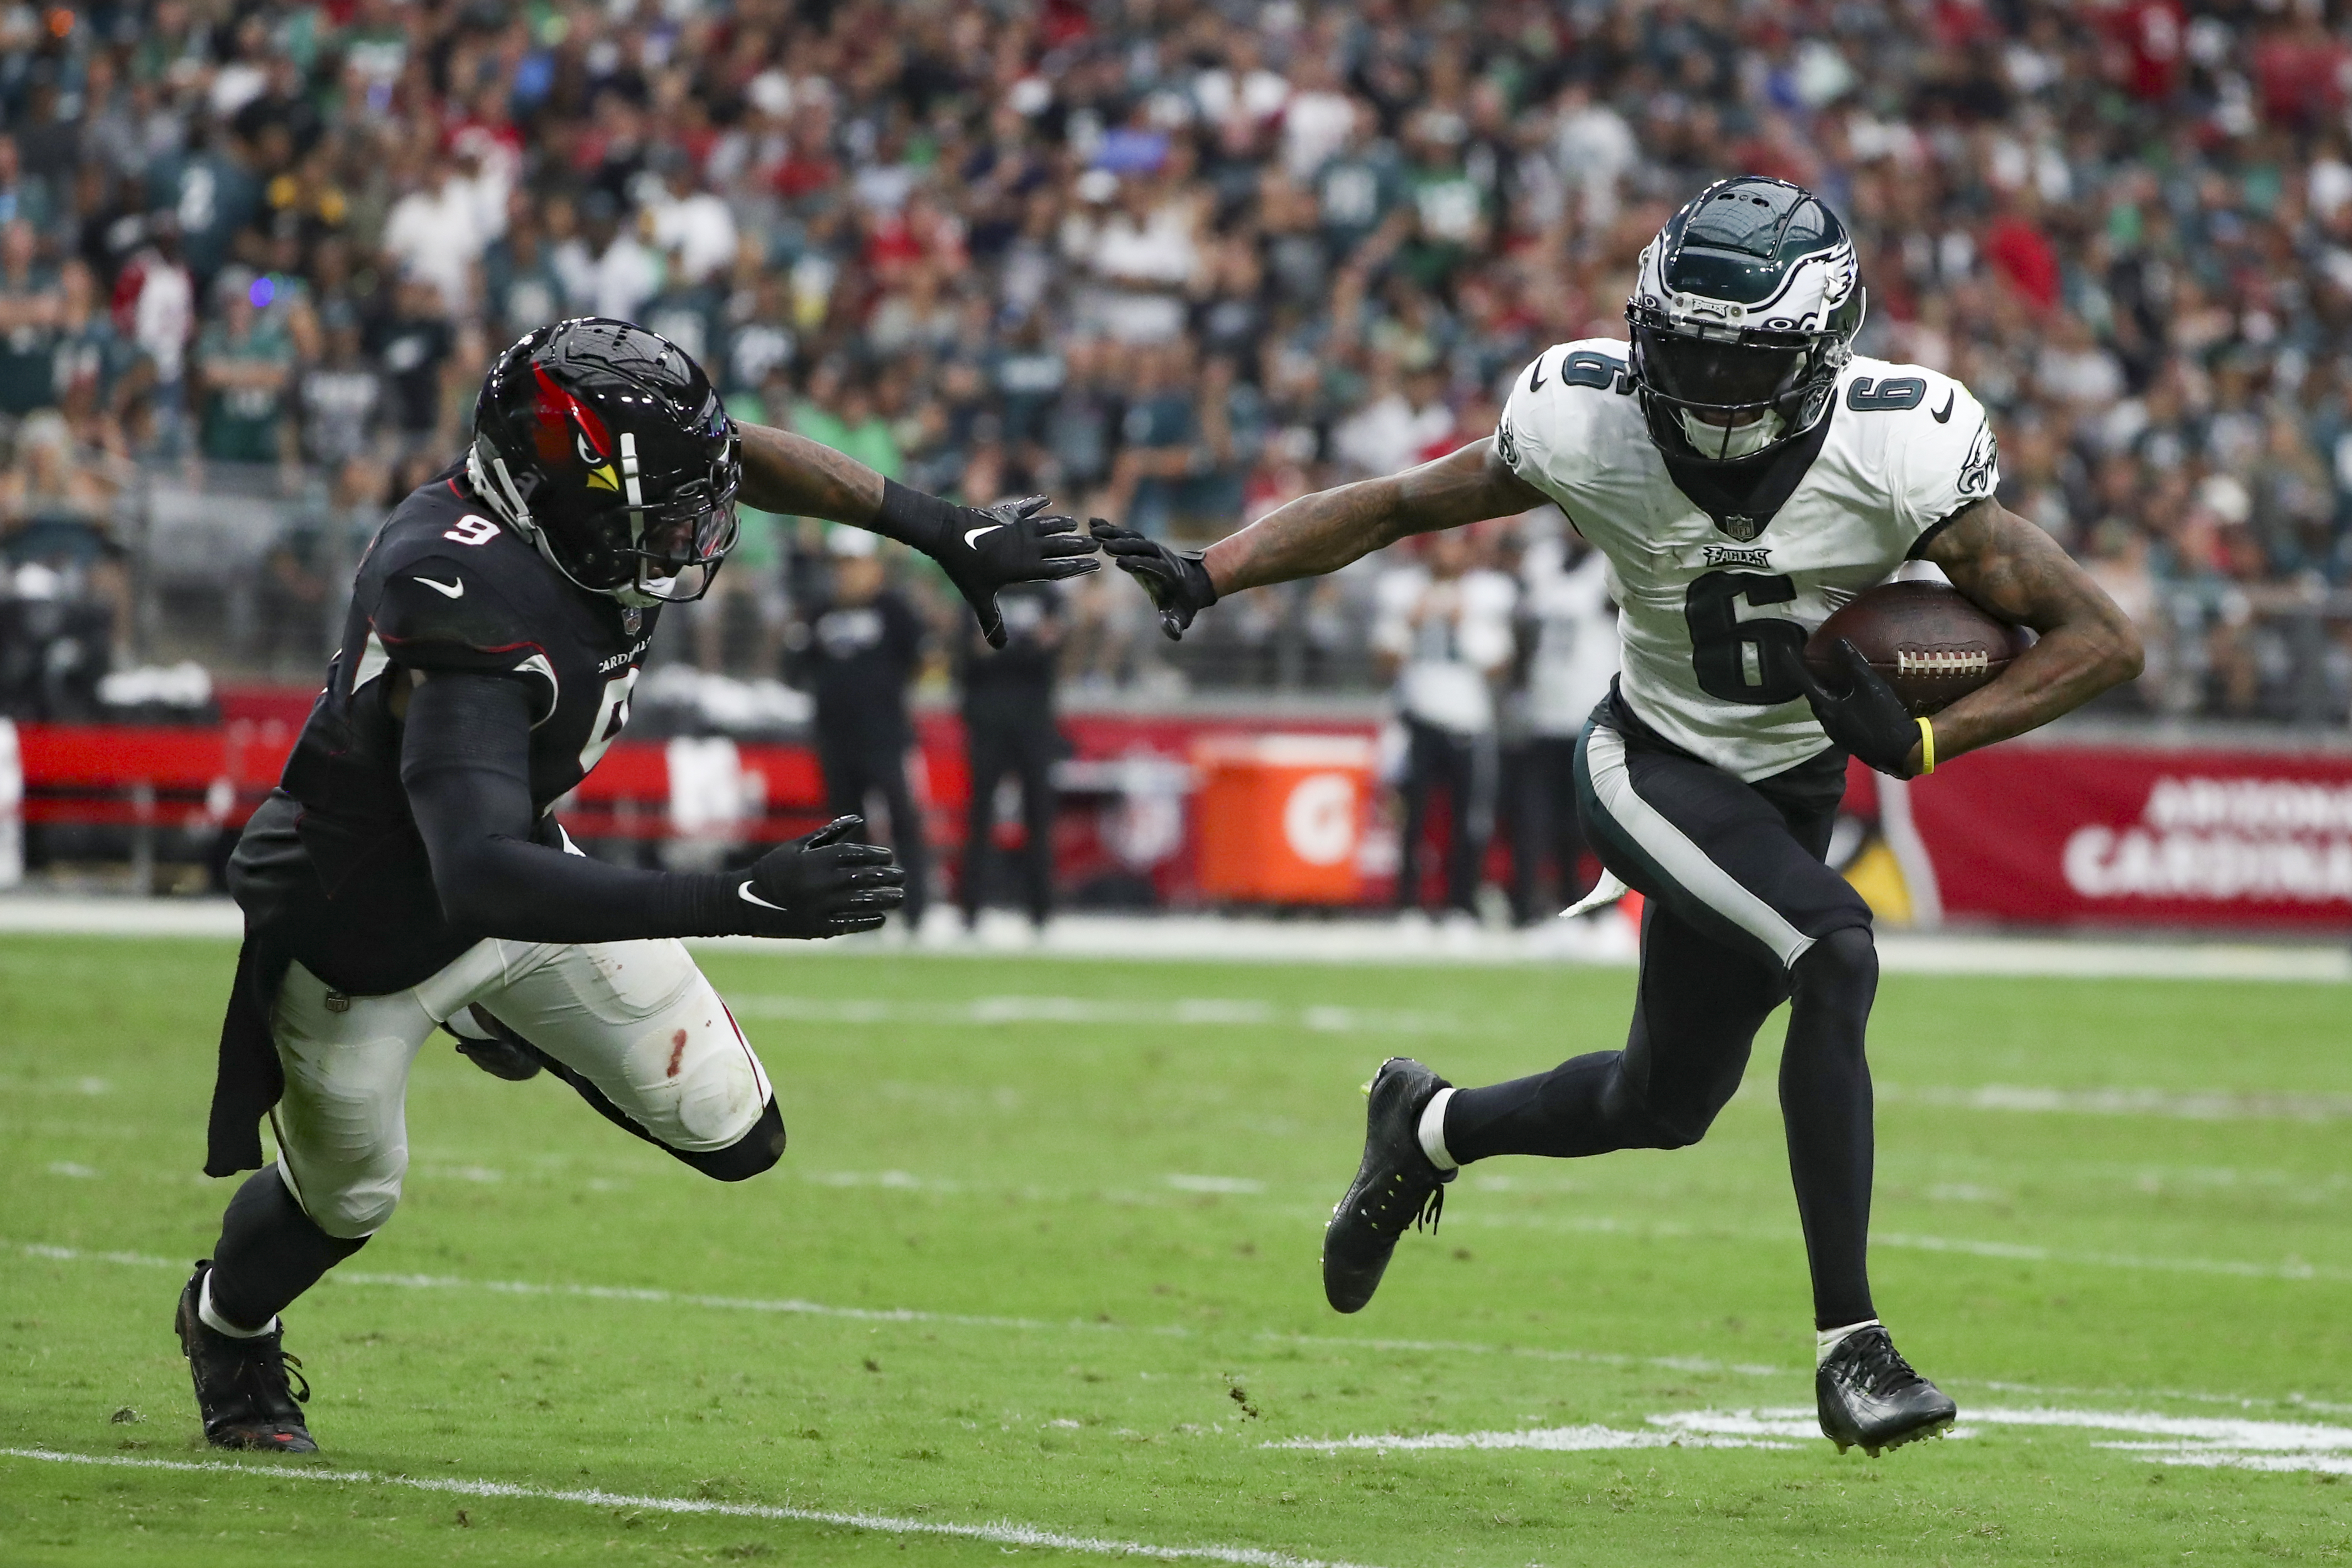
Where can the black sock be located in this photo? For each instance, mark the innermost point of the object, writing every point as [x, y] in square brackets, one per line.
[1825, 1104]
[269, 1251]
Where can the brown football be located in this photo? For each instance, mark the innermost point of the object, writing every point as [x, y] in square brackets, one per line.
[1933, 646]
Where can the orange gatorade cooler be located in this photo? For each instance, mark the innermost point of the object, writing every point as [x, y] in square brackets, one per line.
[1282, 816]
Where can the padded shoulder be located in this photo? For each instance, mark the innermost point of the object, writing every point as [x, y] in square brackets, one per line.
[443, 612]
[1926, 436]
[1566, 411]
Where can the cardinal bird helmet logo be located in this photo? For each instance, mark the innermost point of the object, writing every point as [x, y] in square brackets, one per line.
[567, 424]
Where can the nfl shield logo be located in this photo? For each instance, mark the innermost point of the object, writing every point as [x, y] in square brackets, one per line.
[633, 617]
[1742, 529]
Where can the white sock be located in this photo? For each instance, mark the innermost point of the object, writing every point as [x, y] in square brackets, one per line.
[1433, 1131]
[221, 1325]
[1828, 1340]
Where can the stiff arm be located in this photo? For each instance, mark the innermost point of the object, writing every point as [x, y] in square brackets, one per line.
[2014, 571]
[1319, 534]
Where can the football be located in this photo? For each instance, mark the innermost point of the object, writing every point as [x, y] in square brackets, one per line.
[1932, 645]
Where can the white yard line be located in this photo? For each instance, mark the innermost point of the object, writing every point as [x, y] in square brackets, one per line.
[2185, 1105]
[1003, 1533]
[1350, 940]
[795, 1308]
[2235, 1442]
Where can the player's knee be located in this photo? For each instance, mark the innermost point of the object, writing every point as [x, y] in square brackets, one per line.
[1846, 960]
[1642, 1125]
[354, 1210]
[757, 1151]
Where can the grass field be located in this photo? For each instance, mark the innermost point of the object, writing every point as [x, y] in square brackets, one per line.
[1041, 1257]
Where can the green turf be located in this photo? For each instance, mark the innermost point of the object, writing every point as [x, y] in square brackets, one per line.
[1168, 1331]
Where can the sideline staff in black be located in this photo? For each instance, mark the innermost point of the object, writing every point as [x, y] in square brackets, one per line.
[858, 651]
[1008, 720]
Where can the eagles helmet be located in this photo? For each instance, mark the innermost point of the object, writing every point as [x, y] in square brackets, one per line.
[605, 446]
[1743, 314]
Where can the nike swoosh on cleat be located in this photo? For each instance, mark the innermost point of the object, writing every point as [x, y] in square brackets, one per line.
[455, 590]
[1944, 415]
[749, 896]
[970, 534]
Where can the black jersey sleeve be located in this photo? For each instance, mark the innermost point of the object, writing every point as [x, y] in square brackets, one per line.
[465, 763]
[442, 613]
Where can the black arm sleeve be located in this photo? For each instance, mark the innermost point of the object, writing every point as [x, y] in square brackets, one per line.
[465, 762]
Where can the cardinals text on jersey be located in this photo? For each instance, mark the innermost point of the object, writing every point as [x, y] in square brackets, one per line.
[1710, 606]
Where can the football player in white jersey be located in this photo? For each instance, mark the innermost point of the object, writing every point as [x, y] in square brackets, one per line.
[1744, 474]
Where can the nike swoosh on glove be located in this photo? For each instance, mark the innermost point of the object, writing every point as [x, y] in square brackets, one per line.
[820, 886]
[1867, 718]
[1177, 580]
[983, 549]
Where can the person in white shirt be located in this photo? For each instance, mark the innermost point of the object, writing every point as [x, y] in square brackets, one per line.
[690, 222]
[1568, 640]
[1445, 628]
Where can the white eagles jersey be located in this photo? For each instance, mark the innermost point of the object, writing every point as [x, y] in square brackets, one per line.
[1704, 611]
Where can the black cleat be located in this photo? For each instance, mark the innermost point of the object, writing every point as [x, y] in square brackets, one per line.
[505, 1054]
[1871, 1399]
[1395, 1186]
[244, 1393]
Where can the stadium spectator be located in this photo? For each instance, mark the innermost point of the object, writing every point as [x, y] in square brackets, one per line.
[1445, 633]
[1053, 226]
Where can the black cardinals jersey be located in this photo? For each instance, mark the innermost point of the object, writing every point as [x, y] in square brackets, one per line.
[333, 859]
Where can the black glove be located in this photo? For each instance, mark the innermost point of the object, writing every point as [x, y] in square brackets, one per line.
[1177, 580]
[819, 886]
[986, 548]
[1867, 718]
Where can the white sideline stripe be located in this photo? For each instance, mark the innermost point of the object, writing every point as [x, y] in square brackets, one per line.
[2234, 1441]
[1680, 858]
[1346, 942]
[1003, 1533]
[2187, 1105]
[1188, 1012]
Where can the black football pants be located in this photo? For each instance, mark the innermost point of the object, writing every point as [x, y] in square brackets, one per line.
[855, 769]
[1024, 748]
[1742, 915]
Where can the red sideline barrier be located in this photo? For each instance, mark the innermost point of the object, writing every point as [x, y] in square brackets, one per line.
[203, 778]
[2064, 834]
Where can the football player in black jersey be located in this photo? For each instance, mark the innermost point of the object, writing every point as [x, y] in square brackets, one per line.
[408, 873]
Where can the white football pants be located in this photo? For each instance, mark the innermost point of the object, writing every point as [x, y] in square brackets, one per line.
[635, 1018]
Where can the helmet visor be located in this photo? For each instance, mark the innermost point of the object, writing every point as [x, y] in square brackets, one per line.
[1742, 379]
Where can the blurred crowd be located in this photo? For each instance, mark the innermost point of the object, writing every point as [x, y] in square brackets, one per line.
[1177, 261]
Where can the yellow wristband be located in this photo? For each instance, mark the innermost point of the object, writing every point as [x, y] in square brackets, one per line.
[1927, 747]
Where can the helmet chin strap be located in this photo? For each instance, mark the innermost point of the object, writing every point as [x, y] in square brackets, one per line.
[1724, 442]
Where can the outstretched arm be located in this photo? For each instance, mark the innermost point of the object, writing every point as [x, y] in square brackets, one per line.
[1322, 532]
[2018, 573]
[982, 550]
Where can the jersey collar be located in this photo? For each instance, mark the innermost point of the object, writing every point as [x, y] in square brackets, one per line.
[1743, 497]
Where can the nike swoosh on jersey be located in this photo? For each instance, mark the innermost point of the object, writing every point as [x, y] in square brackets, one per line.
[1944, 415]
[1535, 376]
[749, 896]
[972, 533]
[455, 590]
